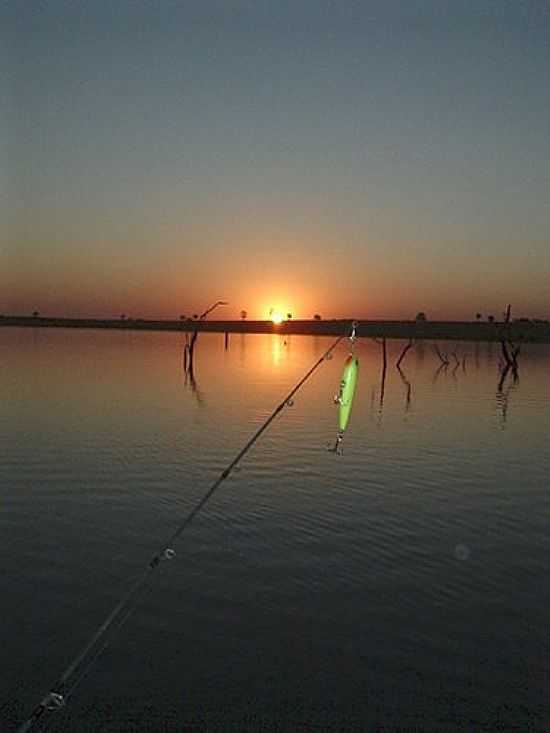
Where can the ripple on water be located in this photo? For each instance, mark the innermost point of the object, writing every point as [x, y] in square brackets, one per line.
[406, 576]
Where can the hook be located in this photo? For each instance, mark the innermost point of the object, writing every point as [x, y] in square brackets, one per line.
[337, 446]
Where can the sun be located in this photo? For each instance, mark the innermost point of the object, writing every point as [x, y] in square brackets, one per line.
[277, 313]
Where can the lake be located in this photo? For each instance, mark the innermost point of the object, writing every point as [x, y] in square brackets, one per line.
[401, 586]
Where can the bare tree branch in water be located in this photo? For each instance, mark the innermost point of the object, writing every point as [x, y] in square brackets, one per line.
[505, 353]
[510, 361]
[189, 352]
[382, 342]
[408, 388]
[503, 395]
[192, 382]
[457, 364]
[510, 351]
[441, 368]
[405, 349]
[503, 375]
[189, 367]
[443, 357]
[382, 387]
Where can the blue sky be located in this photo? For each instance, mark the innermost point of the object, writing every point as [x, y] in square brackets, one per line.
[370, 159]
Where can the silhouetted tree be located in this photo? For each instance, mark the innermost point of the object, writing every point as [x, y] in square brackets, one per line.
[421, 316]
[35, 314]
[183, 318]
[491, 319]
[443, 356]
[288, 316]
[243, 314]
[195, 316]
[478, 316]
[407, 347]
[317, 317]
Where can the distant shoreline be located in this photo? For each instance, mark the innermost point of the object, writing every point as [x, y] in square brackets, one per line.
[522, 331]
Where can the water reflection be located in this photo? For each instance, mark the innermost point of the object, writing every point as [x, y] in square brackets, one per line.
[242, 348]
[382, 388]
[404, 353]
[263, 364]
[443, 357]
[441, 368]
[189, 379]
[191, 382]
[98, 399]
[420, 352]
[382, 343]
[407, 388]
[506, 370]
[277, 345]
[457, 364]
[503, 395]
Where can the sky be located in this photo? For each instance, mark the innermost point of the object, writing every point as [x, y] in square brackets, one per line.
[353, 159]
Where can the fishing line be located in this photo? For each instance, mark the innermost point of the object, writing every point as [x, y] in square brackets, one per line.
[59, 693]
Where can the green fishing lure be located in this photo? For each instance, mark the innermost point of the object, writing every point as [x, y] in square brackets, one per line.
[344, 398]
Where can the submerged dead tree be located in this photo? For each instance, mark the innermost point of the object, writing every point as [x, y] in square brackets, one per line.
[189, 349]
[442, 356]
[457, 364]
[189, 366]
[510, 351]
[407, 387]
[189, 352]
[382, 342]
[405, 349]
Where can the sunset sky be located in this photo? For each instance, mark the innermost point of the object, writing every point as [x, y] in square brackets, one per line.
[354, 159]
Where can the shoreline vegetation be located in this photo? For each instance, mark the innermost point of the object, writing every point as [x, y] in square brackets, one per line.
[523, 330]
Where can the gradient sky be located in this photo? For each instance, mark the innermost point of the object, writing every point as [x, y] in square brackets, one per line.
[367, 159]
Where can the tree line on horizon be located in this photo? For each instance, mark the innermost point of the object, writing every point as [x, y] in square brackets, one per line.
[419, 318]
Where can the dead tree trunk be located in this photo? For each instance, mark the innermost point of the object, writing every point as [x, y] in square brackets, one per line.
[382, 342]
[408, 388]
[510, 351]
[443, 357]
[405, 349]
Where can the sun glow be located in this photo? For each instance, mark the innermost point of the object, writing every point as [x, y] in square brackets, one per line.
[277, 317]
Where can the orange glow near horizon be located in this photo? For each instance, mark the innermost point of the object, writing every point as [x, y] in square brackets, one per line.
[278, 313]
[90, 292]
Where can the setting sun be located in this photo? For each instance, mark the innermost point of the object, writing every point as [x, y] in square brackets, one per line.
[277, 317]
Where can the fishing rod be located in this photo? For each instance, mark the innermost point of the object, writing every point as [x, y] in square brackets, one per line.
[59, 693]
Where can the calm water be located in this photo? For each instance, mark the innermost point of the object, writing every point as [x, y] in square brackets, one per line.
[402, 586]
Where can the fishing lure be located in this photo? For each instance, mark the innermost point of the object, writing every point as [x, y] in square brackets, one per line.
[344, 398]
